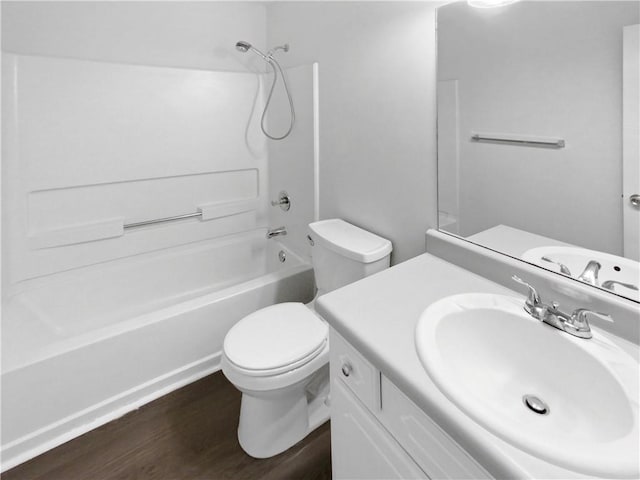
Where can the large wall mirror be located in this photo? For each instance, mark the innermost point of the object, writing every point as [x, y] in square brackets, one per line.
[538, 135]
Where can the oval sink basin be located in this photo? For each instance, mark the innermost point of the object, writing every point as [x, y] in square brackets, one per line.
[490, 358]
[614, 268]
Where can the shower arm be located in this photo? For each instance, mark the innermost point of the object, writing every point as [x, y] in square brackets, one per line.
[284, 48]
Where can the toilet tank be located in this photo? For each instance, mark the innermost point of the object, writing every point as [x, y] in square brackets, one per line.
[342, 253]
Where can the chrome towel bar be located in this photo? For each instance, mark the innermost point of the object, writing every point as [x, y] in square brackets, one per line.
[162, 220]
[209, 211]
[514, 140]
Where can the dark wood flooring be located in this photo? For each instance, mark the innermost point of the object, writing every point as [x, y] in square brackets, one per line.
[187, 434]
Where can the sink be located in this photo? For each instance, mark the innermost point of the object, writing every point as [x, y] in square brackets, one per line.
[487, 355]
[615, 268]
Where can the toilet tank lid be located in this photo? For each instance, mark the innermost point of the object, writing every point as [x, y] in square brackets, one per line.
[348, 240]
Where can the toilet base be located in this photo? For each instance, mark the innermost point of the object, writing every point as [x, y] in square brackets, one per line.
[271, 422]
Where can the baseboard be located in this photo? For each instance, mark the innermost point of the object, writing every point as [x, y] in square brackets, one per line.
[49, 437]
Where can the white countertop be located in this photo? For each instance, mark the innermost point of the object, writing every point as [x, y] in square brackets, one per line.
[378, 316]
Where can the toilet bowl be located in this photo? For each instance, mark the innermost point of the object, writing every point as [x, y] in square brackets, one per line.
[278, 356]
[272, 357]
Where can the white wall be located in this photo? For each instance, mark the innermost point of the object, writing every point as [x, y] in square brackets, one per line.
[377, 110]
[550, 69]
[173, 34]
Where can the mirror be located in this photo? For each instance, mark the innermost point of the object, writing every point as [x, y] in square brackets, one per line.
[538, 135]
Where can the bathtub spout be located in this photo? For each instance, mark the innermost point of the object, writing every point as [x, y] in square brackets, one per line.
[275, 232]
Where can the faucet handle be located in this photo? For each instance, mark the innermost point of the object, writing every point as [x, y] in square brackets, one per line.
[533, 298]
[609, 285]
[563, 268]
[579, 318]
[284, 201]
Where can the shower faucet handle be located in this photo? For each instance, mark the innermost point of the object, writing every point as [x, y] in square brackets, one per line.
[284, 201]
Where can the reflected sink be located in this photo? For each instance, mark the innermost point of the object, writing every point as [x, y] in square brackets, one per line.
[486, 354]
[614, 268]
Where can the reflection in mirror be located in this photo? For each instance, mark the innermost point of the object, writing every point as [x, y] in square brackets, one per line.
[538, 135]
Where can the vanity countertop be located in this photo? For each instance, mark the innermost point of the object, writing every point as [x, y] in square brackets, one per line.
[513, 241]
[378, 316]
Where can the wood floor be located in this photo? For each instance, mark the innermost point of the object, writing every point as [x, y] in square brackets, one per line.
[187, 434]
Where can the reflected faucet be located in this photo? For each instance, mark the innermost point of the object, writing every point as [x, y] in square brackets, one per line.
[590, 273]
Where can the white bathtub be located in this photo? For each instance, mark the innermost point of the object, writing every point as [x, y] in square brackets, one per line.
[100, 342]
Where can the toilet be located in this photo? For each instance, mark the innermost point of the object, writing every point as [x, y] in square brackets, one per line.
[278, 356]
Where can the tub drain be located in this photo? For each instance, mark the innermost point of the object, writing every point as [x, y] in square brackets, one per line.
[282, 256]
[536, 405]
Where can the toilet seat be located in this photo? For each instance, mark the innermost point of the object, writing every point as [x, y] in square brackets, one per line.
[282, 369]
[275, 340]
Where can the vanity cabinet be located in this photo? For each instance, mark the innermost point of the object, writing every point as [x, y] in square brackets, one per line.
[377, 432]
[360, 447]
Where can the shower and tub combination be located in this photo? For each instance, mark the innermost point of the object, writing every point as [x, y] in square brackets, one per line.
[125, 277]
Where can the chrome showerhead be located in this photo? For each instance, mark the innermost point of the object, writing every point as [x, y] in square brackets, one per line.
[243, 46]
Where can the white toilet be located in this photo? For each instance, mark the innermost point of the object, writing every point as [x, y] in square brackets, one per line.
[278, 356]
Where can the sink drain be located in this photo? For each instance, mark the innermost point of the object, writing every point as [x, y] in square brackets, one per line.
[536, 405]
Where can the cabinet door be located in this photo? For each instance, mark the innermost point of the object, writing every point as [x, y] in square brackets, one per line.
[360, 447]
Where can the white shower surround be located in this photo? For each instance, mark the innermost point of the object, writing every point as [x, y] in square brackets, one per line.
[106, 364]
[95, 327]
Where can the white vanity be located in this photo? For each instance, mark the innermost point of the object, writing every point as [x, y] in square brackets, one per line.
[443, 366]
[390, 418]
[378, 432]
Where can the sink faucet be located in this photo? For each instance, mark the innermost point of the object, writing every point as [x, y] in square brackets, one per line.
[575, 324]
[275, 232]
[590, 274]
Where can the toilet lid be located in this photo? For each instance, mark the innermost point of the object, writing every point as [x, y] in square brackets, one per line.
[285, 334]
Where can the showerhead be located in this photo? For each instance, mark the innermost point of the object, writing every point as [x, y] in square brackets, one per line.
[243, 46]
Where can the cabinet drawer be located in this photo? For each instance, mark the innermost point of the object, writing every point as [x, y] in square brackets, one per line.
[357, 373]
[431, 448]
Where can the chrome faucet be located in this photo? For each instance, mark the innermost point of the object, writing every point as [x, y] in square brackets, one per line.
[275, 232]
[590, 274]
[575, 324]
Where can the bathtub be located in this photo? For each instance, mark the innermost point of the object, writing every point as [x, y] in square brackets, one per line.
[101, 341]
